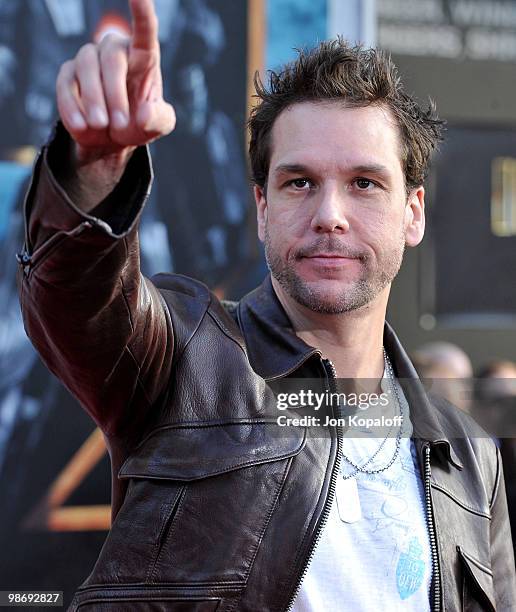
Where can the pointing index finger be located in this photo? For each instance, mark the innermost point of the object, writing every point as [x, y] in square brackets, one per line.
[145, 25]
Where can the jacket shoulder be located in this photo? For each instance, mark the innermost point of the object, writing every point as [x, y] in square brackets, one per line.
[188, 301]
[182, 285]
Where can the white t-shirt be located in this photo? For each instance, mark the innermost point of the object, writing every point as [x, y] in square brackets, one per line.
[380, 559]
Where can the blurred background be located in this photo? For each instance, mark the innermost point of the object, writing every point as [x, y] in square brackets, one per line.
[453, 304]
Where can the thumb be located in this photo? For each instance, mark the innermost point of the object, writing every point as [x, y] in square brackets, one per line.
[156, 117]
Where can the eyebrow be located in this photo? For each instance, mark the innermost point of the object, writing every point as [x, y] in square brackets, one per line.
[376, 169]
[291, 169]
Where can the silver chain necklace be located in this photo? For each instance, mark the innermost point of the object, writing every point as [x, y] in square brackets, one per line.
[362, 468]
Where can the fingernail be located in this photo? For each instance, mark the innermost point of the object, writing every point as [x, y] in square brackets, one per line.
[119, 120]
[77, 121]
[98, 117]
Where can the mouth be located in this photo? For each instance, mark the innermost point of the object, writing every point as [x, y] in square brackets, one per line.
[329, 260]
[329, 257]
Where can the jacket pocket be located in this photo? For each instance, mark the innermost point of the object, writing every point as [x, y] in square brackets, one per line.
[186, 453]
[156, 604]
[477, 584]
[141, 599]
[198, 504]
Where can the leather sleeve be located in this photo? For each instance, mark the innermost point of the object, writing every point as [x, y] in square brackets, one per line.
[502, 554]
[98, 324]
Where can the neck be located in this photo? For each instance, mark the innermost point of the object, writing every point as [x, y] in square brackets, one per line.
[352, 341]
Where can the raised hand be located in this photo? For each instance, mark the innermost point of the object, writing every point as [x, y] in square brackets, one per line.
[110, 96]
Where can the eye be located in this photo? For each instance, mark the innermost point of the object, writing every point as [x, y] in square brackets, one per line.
[300, 183]
[364, 184]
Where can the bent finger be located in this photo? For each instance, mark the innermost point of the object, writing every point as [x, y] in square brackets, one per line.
[113, 67]
[68, 104]
[87, 71]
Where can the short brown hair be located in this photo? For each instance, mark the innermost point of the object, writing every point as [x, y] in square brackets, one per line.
[335, 70]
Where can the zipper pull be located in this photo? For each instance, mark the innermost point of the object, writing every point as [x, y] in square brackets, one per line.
[25, 260]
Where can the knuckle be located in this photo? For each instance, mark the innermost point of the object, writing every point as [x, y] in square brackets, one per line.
[65, 70]
[109, 39]
[66, 66]
[89, 48]
[154, 62]
[87, 53]
[113, 40]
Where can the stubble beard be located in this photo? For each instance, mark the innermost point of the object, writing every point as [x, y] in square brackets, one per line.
[357, 294]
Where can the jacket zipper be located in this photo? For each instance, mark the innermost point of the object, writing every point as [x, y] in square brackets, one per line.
[436, 575]
[331, 375]
[28, 259]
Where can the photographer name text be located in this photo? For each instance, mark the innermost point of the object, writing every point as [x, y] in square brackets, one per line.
[353, 420]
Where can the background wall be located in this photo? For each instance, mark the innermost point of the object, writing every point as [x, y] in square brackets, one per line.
[460, 285]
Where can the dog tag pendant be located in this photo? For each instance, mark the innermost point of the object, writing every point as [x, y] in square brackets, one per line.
[348, 501]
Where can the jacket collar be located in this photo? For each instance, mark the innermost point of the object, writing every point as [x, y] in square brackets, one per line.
[276, 351]
[265, 324]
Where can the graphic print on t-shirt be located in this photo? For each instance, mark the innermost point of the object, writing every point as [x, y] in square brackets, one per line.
[410, 569]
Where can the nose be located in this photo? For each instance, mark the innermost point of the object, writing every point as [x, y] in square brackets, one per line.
[330, 215]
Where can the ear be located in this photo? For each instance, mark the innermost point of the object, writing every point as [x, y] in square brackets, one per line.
[261, 210]
[415, 217]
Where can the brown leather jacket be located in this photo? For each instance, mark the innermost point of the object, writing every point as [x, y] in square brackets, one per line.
[214, 508]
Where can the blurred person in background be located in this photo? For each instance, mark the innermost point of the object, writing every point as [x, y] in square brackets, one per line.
[496, 379]
[495, 408]
[447, 371]
[495, 398]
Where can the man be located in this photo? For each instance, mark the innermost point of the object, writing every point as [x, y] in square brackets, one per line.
[215, 505]
[448, 369]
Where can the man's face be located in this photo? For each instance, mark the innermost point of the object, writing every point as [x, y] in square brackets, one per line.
[336, 216]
